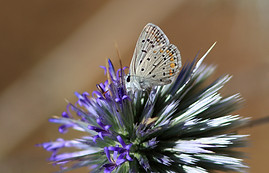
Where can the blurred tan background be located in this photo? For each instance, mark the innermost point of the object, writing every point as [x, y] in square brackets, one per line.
[51, 48]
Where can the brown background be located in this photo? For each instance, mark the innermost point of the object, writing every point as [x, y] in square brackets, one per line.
[51, 48]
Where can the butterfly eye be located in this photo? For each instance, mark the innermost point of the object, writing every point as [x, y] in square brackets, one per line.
[128, 79]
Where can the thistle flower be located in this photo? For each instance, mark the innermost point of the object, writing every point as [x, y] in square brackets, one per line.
[180, 127]
[184, 126]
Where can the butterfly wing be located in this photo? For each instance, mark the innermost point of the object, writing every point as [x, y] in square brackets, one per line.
[151, 37]
[160, 65]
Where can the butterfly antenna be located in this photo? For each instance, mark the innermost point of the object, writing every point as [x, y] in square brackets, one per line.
[118, 51]
[108, 75]
[119, 57]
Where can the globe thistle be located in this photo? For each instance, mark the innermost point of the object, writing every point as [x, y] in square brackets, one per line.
[183, 126]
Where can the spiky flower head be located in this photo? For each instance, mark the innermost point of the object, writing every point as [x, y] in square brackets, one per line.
[180, 127]
[184, 126]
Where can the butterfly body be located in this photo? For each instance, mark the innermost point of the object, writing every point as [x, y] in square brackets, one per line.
[155, 61]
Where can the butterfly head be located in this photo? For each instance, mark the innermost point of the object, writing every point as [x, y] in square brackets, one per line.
[133, 83]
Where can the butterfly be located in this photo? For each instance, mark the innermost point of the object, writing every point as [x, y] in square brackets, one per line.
[155, 61]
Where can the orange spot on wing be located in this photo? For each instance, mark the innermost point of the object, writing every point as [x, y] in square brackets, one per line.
[172, 59]
[172, 65]
[161, 51]
[170, 72]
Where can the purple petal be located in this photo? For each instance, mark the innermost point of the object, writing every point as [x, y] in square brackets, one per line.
[109, 167]
[67, 109]
[97, 129]
[97, 93]
[105, 83]
[69, 156]
[103, 86]
[119, 149]
[128, 147]
[85, 94]
[100, 134]
[115, 154]
[107, 154]
[120, 161]
[52, 146]
[111, 70]
[121, 141]
[100, 123]
[56, 120]
[128, 157]
[103, 67]
[94, 138]
[125, 97]
[107, 127]
[112, 148]
[79, 96]
[120, 74]
[64, 128]
[65, 115]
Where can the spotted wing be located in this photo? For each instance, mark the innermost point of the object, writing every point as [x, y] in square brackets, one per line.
[151, 37]
[160, 65]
